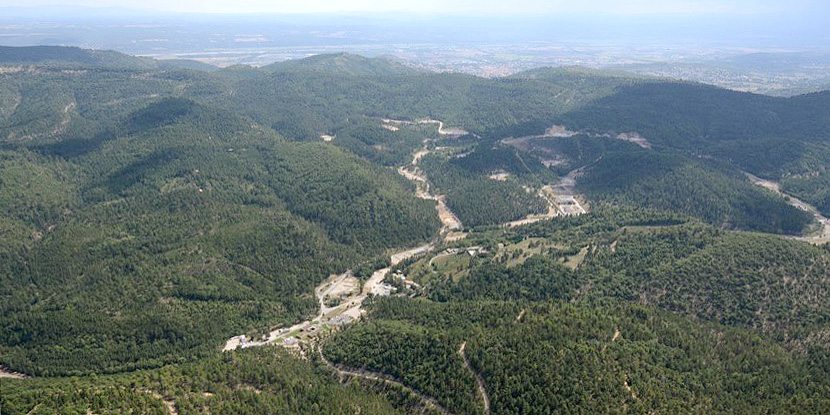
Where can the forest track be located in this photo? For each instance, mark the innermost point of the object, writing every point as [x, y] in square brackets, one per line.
[818, 238]
[427, 401]
[58, 129]
[560, 131]
[66, 118]
[482, 391]
[449, 220]
[353, 305]
[452, 131]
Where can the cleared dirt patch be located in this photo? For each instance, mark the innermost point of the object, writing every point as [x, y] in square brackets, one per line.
[500, 176]
[635, 138]
[559, 131]
[10, 374]
[338, 286]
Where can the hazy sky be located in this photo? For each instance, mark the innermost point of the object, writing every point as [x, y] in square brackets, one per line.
[478, 7]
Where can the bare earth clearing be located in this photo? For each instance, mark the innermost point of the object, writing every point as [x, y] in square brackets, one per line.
[8, 374]
[560, 131]
[347, 310]
[562, 200]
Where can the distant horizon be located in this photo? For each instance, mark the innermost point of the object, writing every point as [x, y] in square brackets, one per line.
[700, 40]
[481, 8]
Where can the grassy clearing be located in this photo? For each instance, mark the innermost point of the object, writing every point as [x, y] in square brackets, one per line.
[574, 261]
[518, 253]
[453, 266]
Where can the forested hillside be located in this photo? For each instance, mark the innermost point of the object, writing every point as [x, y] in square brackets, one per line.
[767, 136]
[58, 57]
[153, 243]
[263, 381]
[150, 211]
[565, 316]
[554, 357]
[711, 191]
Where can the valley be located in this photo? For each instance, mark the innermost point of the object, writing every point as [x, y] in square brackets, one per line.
[349, 294]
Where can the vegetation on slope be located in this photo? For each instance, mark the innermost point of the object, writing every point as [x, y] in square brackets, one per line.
[555, 357]
[148, 213]
[193, 226]
[259, 381]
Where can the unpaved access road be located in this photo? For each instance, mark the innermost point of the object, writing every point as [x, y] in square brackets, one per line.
[452, 131]
[482, 391]
[351, 306]
[560, 131]
[822, 236]
[427, 401]
[449, 221]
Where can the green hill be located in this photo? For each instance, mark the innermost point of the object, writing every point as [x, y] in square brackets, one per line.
[62, 57]
[190, 227]
[344, 64]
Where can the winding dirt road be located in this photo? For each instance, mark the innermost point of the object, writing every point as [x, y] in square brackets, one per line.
[453, 131]
[343, 371]
[818, 238]
[449, 221]
[482, 391]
